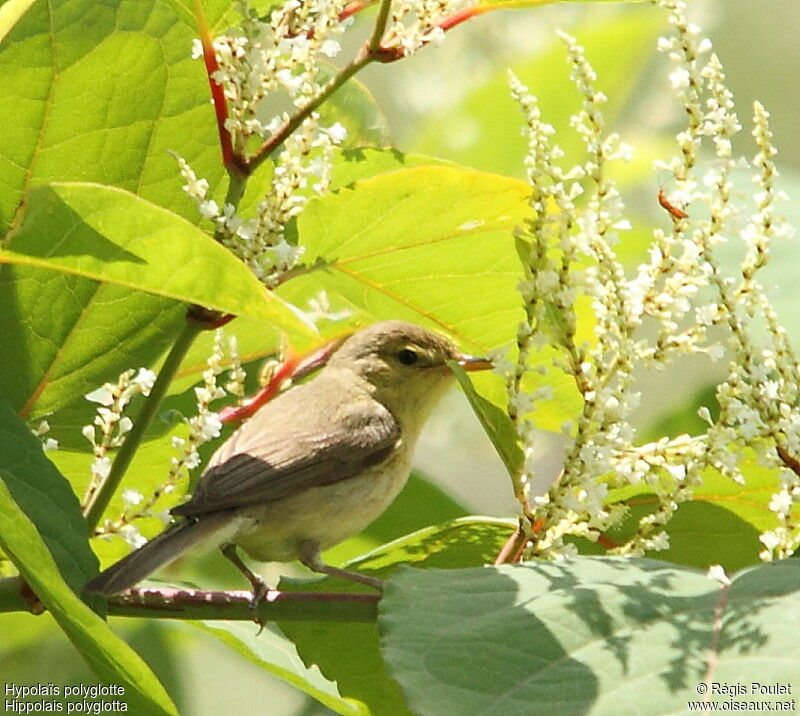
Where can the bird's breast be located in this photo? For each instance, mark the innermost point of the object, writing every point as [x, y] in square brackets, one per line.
[326, 515]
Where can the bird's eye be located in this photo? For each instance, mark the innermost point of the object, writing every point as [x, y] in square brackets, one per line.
[407, 357]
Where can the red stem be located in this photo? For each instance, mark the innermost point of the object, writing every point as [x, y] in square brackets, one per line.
[230, 159]
[463, 15]
[354, 7]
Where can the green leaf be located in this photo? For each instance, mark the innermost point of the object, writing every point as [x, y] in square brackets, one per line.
[719, 524]
[111, 235]
[483, 131]
[63, 338]
[349, 653]
[272, 651]
[566, 637]
[111, 658]
[495, 422]
[65, 118]
[45, 497]
[10, 13]
[352, 164]
[385, 259]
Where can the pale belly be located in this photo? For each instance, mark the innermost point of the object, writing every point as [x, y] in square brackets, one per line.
[323, 515]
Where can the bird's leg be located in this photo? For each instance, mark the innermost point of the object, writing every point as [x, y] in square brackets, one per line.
[310, 557]
[259, 588]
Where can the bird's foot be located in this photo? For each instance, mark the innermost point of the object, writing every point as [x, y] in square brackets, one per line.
[310, 557]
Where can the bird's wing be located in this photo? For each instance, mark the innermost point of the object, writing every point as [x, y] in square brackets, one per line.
[270, 460]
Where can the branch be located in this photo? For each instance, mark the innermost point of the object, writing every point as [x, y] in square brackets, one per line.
[380, 26]
[168, 603]
[788, 459]
[354, 7]
[513, 549]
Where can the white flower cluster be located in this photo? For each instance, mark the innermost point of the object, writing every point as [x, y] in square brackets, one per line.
[203, 426]
[416, 23]
[681, 291]
[260, 242]
[285, 54]
[268, 63]
[206, 425]
[110, 426]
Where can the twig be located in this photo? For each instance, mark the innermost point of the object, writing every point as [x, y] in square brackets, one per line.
[361, 60]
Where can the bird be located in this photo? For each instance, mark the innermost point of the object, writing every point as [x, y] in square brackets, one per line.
[314, 466]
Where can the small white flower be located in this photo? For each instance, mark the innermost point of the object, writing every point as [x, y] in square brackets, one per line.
[101, 467]
[330, 48]
[770, 540]
[102, 395]
[125, 425]
[145, 379]
[337, 132]
[211, 426]
[208, 209]
[781, 503]
[132, 536]
[131, 497]
[717, 573]
[89, 433]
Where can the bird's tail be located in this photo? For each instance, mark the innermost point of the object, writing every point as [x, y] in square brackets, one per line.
[158, 552]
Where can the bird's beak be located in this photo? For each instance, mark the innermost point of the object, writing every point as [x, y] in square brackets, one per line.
[471, 363]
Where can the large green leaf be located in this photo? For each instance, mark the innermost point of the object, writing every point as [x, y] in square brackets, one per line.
[110, 235]
[590, 635]
[272, 651]
[64, 338]
[111, 658]
[428, 244]
[45, 497]
[64, 117]
[349, 653]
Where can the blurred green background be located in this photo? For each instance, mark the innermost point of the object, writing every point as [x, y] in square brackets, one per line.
[452, 102]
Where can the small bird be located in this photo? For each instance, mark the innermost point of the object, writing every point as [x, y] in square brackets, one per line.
[314, 466]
